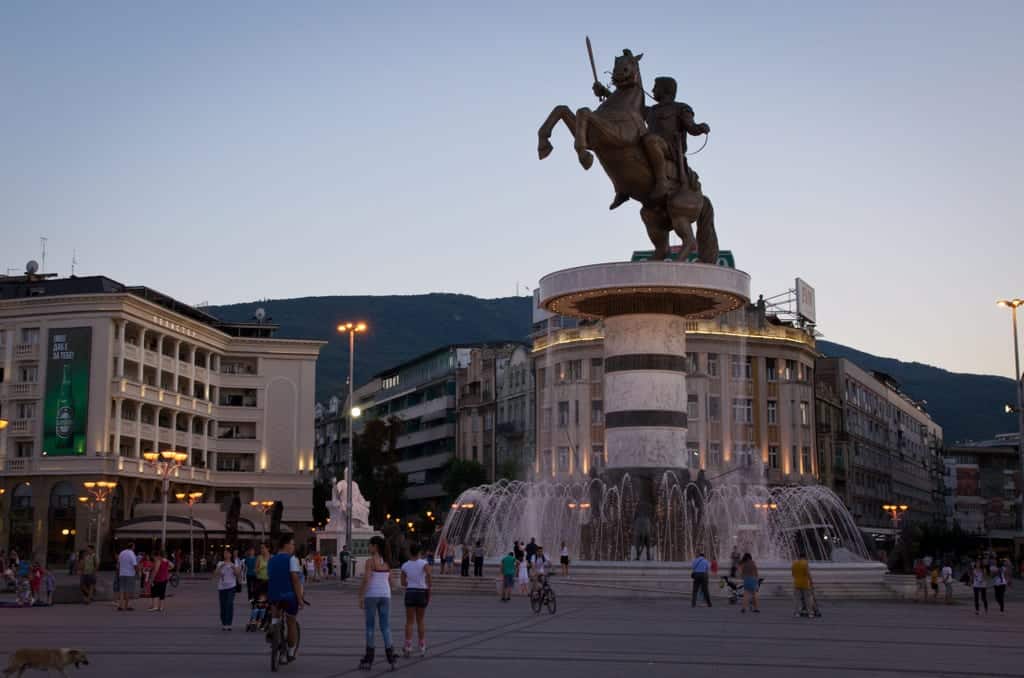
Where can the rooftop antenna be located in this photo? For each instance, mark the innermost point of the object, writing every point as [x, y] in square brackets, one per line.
[42, 244]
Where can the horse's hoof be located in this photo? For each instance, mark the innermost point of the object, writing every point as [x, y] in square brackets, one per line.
[544, 148]
[586, 159]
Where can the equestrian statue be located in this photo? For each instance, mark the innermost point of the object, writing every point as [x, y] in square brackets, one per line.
[643, 151]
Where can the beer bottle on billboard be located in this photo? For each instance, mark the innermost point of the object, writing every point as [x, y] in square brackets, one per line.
[65, 412]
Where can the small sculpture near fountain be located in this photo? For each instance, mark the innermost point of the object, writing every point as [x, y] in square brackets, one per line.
[337, 505]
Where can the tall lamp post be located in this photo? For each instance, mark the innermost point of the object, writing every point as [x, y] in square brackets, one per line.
[165, 463]
[1013, 305]
[100, 491]
[190, 498]
[265, 506]
[895, 511]
[353, 412]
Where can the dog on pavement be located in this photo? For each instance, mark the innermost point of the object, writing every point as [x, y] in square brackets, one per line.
[44, 660]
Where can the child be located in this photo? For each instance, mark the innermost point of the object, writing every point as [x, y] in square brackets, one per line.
[258, 614]
[49, 585]
[935, 582]
[36, 582]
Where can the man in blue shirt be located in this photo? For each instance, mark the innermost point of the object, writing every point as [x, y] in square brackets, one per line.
[284, 588]
[700, 578]
[250, 573]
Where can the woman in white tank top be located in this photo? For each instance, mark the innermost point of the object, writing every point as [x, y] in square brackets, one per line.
[416, 579]
[375, 598]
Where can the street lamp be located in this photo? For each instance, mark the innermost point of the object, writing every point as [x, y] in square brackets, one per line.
[190, 498]
[165, 463]
[896, 511]
[3, 424]
[265, 506]
[1013, 305]
[100, 491]
[351, 329]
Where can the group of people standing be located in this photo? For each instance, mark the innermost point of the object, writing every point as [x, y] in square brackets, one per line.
[33, 583]
[155, 571]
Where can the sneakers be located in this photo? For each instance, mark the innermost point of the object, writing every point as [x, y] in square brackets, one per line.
[423, 650]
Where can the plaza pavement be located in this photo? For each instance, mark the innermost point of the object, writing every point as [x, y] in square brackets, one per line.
[478, 636]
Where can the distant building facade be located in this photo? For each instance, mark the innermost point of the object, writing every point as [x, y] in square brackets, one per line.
[984, 485]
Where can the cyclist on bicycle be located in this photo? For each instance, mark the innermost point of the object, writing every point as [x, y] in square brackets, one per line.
[540, 569]
[285, 588]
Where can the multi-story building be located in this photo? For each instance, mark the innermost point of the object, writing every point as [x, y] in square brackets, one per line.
[984, 483]
[887, 445]
[494, 409]
[750, 397]
[94, 374]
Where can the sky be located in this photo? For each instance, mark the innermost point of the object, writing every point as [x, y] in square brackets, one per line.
[225, 152]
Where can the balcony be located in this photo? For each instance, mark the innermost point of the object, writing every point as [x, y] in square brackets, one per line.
[25, 389]
[22, 351]
[18, 465]
[131, 352]
[22, 427]
[511, 429]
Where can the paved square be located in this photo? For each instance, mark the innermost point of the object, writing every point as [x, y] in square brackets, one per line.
[478, 636]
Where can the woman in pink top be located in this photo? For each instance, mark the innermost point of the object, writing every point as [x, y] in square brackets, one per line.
[161, 574]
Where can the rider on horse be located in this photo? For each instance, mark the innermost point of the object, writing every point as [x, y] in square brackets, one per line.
[668, 123]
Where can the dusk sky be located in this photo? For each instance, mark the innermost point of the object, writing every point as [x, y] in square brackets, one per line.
[225, 152]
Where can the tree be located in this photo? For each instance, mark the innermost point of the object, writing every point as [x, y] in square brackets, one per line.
[463, 474]
[375, 460]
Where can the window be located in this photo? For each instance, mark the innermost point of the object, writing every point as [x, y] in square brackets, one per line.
[745, 455]
[30, 335]
[488, 421]
[542, 376]
[474, 421]
[693, 455]
[26, 410]
[475, 454]
[596, 369]
[28, 374]
[712, 364]
[714, 454]
[563, 414]
[576, 413]
[742, 411]
[806, 459]
[23, 450]
[389, 382]
[546, 419]
[740, 367]
[563, 459]
[692, 412]
[242, 463]
[805, 413]
[560, 373]
[714, 408]
[794, 465]
[691, 363]
[773, 412]
[597, 412]
[597, 457]
[773, 456]
[735, 367]
[770, 369]
[575, 370]
[790, 370]
[545, 462]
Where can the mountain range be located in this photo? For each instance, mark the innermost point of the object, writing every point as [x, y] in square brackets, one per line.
[967, 406]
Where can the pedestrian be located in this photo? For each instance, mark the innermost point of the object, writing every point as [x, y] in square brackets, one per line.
[531, 549]
[508, 576]
[464, 571]
[416, 580]
[127, 581]
[748, 570]
[449, 558]
[734, 560]
[261, 570]
[227, 572]
[563, 558]
[980, 582]
[933, 581]
[517, 550]
[947, 582]
[699, 574]
[250, 573]
[375, 600]
[803, 588]
[87, 574]
[50, 585]
[73, 562]
[161, 575]
[1000, 580]
[523, 575]
[345, 562]
[478, 559]
[920, 581]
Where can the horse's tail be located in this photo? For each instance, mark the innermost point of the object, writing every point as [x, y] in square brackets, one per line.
[707, 239]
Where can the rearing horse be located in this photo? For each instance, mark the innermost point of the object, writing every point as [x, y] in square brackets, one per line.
[613, 132]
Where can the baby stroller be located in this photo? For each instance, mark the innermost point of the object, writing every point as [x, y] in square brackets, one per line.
[259, 617]
[735, 589]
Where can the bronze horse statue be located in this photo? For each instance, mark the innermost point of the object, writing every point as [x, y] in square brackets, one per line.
[613, 132]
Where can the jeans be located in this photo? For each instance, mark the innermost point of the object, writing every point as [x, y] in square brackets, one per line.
[700, 585]
[1000, 591]
[984, 598]
[478, 566]
[804, 601]
[227, 606]
[378, 607]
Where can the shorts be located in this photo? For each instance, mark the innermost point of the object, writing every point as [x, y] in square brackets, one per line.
[935, 587]
[509, 580]
[88, 580]
[289, 604]
[565, 560]
[750, 584]
[158, 590]
[127, 584]
[417, 598]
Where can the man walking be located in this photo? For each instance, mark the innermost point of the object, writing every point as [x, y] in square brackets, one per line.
[700, 579]
[508, 575]
[803, 587]
[127, 564]
[87, 567]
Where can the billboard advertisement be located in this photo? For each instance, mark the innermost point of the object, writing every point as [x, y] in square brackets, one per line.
[66, 409]
[725, 257]
[805, 301]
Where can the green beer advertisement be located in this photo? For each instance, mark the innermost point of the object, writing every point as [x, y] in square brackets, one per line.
[66, 412]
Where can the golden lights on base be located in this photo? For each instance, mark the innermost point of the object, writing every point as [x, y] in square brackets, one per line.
[769, 506]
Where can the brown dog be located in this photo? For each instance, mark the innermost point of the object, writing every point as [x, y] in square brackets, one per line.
[44, 660]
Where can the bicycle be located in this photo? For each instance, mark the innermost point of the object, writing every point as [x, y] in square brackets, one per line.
[277, 636]
[174, 580]
[543, 596]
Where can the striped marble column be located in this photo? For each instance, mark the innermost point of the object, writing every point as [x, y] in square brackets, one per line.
[645, 390]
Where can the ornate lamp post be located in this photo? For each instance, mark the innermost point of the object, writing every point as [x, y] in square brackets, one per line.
[1013, 305]
[165, 463]
[190, 498]
[353, 413]
[265, 506]
[896, 511]
[99, 491]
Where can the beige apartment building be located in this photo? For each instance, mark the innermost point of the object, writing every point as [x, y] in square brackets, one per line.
[750, 398]
[94, 374]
